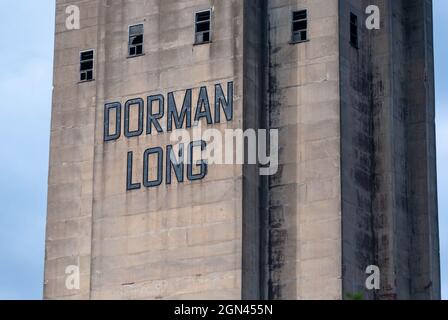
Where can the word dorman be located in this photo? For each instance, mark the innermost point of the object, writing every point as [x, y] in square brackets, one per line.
[161, 114]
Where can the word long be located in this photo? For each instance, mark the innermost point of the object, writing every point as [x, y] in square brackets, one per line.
[165, 163]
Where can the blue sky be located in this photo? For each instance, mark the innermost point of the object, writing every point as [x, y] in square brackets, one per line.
[26, 54]
[441, 68]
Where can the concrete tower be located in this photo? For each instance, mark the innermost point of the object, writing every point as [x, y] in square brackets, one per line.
[356, 182]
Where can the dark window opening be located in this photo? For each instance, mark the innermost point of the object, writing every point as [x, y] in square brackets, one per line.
[203, 27]
[135, 40]
[354, 30]
[299, 26]
[86, 66]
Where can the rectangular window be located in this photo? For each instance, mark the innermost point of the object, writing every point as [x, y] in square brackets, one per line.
[203, 26]
[299, 26]
[354, 30]
[86, 66]
[135, 47]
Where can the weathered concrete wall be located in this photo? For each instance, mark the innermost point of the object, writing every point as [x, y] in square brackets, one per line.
[176, 241]
[356, 151]
[389, 210]
[305, 210]
[388, 165]
[254, 186]
[70, 190]
[356, 183]
[181, 240]
[421, 150]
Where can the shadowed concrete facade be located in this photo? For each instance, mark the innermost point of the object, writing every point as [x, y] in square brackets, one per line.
[356, 184]
[389, 195]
